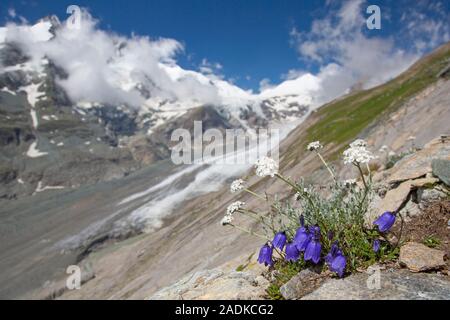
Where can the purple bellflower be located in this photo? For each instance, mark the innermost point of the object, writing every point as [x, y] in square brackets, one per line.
[336, 260]
[292, 253]
[279, 240]
[338, 264]
[302, 238]
[265, 255]
[385, 221]
[314, 247]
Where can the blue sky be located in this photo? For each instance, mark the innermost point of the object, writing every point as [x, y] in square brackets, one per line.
[251, 39]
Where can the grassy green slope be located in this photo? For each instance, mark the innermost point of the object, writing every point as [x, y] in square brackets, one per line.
[340, 121]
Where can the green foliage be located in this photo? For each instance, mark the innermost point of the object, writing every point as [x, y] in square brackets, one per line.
[242, 267]
[341, 211]
[431, 241]
[284, 272]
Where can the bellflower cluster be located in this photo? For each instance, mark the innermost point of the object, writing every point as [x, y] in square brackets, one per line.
[336, 231]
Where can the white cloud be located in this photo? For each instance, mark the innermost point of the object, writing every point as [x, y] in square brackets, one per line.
[106, 67]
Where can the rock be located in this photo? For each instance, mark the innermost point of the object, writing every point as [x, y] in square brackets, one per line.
[418, 257]
[441, 169]
[305, 282]
[424, 182]
[411, 209]
[216, 284]
[419, 164]
[427, 196]
[395, 198]
[394, 285]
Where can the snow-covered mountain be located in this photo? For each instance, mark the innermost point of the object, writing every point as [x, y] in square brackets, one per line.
[85, 97]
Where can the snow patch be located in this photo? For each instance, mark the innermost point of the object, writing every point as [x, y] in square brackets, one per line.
[39, 188]
[5, 89]
[33, 152]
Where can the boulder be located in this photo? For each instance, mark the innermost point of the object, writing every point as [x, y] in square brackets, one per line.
[216, 284]
[419, 164]
[305, 282]
[418, 257]
[441, 169]
[394, 285]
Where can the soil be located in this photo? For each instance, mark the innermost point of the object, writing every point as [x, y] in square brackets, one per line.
[432, 223]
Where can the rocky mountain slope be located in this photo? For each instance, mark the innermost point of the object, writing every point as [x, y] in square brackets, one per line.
[385, 115]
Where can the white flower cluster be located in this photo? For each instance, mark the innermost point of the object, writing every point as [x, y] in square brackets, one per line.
[314, 146]
[235, 206]
[350, 182]
[226, 220]
[232, 208]
[237, 185]
[266, 167]
[357, 153]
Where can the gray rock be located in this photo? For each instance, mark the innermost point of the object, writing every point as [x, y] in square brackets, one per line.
[441, 169]
[303, 283]
[427, 196]
[396, 285]
[419, 163]
[418, 257]
[216, 284]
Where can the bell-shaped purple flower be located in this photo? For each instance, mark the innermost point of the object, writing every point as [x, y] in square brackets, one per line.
[279, 240]
[338, 264]
[336, 260]
[332, 254]
[314, 247]
[376, 245]
[292, 253]
[265, 255]
[301, 239]
[385, 221]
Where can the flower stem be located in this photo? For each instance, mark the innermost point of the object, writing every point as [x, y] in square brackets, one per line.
[255, 194]
[279, 176]
[250, 232]
[326, 165]
[254, 216]
[362, 175]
